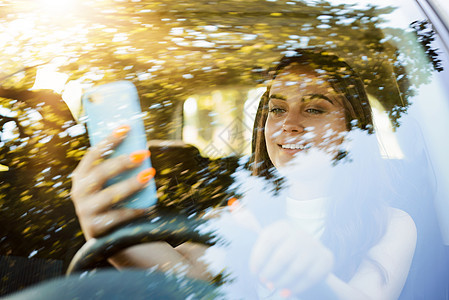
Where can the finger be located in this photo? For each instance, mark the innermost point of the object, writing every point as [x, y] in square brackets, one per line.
[122, 190]
[281, 258]
[104, 223]
[316, 272]
[108, 169]
[265, 244]
[102, 149]
[295, 271]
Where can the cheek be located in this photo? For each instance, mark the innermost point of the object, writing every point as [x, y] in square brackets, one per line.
[340, 124]
[272, 129]
[331, 129]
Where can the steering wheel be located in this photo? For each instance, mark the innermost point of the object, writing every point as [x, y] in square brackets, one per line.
[177, 227]
[139, 284]
[127, 284]
[150, 229]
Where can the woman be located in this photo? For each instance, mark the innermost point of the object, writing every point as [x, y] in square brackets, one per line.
[357, 247]
[299, 132]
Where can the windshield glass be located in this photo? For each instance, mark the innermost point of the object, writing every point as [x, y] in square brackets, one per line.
[256, 114]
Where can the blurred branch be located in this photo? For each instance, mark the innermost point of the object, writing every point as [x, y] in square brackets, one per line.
[22, 70]
[35, 99]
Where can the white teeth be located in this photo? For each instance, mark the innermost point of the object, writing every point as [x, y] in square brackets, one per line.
[293, 146]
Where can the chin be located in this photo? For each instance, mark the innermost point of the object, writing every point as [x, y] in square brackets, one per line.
[311, 165]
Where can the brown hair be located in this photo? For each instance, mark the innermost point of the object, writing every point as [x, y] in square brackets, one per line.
[343, 79]
[350, 237]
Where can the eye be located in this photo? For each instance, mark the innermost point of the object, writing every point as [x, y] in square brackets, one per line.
[314, 111]
[277, 110]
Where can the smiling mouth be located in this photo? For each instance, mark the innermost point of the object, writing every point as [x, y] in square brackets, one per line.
[294, 146]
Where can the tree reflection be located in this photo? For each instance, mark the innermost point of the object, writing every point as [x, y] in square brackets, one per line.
[170, 50]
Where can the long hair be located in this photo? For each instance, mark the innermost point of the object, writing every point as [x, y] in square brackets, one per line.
[363, 225]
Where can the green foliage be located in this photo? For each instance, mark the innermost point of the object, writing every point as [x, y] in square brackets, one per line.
[37, 217]
[169, 50]
[172, 49]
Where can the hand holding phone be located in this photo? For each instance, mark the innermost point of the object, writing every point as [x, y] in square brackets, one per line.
[108, 107]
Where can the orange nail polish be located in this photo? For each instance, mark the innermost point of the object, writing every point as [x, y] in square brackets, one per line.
[233, 203]
[121, 131]
[139, 156]
[285, 293]
[146, 175]
[232, 200]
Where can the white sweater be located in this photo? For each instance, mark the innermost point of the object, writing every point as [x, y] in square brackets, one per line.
[307, 215]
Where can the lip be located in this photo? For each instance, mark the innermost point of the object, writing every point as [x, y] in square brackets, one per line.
[292, 148]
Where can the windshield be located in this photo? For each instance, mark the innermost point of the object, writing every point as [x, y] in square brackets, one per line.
[218, 82]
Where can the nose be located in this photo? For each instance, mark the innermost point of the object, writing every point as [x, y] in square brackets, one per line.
[293, 123]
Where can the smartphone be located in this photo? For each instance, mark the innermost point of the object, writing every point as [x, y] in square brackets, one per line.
[108, 106]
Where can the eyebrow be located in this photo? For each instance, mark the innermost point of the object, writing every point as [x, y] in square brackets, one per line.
[313, 96]
[321, 96]
[278, 96]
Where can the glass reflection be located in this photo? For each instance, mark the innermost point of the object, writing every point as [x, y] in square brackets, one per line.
[176, 50]
[313, 141]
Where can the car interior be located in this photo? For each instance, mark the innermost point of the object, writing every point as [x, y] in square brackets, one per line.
[200, 68]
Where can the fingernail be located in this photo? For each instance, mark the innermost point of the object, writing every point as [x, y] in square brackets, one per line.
[233, 204]
[232, 201]
[139, 156]
[121, 131]
[285, 293]
[146, 175]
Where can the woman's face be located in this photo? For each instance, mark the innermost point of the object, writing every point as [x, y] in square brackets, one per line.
[304, 112]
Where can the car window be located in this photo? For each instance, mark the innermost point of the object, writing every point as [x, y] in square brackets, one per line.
[201, 68]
